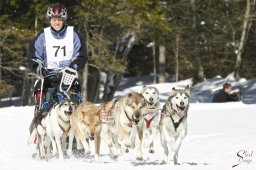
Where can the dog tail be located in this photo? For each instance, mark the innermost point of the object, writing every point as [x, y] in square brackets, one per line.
[32, 136]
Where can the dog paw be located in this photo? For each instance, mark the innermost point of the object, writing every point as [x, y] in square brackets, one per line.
[110, 145]
[97, 159]
[42, 157]
[69, 152]
[114, 157]
[151, 151]
[87, 152]
[163, 162]
[139, 158]
[127, 150]
[176, 163]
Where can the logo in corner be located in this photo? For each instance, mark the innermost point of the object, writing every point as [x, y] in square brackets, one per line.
[244, 157]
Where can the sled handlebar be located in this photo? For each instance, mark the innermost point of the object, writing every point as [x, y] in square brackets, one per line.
[41, 66]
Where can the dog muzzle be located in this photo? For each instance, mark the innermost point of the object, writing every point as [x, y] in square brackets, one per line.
[135, 120]
[181, 108]
[68, 113]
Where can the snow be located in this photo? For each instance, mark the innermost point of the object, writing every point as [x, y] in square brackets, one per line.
[217, 135]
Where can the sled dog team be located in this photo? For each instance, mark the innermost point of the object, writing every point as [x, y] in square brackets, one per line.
[131, 121]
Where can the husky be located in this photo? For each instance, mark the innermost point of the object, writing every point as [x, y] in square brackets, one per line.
[128, 115]
[38, 133]
[107, 131]
[151, 117]
[84, 123]
[52, 128]
[57, 124]
[173, 123]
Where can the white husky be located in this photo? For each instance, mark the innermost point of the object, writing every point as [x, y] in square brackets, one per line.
[173, 123]
[151, 117]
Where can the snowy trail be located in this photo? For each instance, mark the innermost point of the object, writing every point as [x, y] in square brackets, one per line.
[216, 133]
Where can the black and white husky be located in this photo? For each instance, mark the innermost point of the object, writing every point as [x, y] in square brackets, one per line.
[173, 123]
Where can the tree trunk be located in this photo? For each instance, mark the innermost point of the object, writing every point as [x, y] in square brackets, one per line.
[154, 61]
[195, 38]
[177, 41]
[85, 71]
[162, 63]
[36, 20]
[93, 83]
[243, 39]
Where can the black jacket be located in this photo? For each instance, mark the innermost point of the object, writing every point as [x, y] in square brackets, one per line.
[222, 97]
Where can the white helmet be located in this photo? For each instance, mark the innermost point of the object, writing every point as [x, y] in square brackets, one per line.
[57, 11]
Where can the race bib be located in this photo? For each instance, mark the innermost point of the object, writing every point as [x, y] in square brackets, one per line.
[59, 52]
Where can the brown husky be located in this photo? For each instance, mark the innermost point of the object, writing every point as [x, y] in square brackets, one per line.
[128, 115]
[84, 123]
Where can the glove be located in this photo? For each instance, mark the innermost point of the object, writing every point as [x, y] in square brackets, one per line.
[73, 65]
[45, 72]
[78, 63]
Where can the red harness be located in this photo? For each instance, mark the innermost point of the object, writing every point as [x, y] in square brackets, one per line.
[148, 122]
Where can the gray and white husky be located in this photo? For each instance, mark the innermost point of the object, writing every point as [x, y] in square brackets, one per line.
[152, 116]
[54, 127]
[173, 123]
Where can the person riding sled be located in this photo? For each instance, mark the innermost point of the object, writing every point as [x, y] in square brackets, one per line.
[56, 47]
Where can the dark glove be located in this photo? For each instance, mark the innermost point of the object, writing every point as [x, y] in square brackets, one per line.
[45, 72]
[78, 63]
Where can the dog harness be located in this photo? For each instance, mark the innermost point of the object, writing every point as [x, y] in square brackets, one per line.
[152, 111]
[176, 124]
[65, 131]
[148, 122]
[106, 115]
[165, 113]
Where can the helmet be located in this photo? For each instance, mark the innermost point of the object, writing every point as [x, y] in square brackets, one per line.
[57, 11]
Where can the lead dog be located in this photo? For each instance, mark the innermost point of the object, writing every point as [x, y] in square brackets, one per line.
[128, 115]
[152, 116]
[173, 123]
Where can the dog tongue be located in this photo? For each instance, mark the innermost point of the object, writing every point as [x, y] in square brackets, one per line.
[69, 113]
[182, 108]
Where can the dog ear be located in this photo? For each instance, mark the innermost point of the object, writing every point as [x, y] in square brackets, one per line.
[173, 91]
[143, 88]
[187, 87]
[83, 113]
[130, 95]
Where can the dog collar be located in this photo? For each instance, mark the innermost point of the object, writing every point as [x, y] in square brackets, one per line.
[65, 131]
[130, 120]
